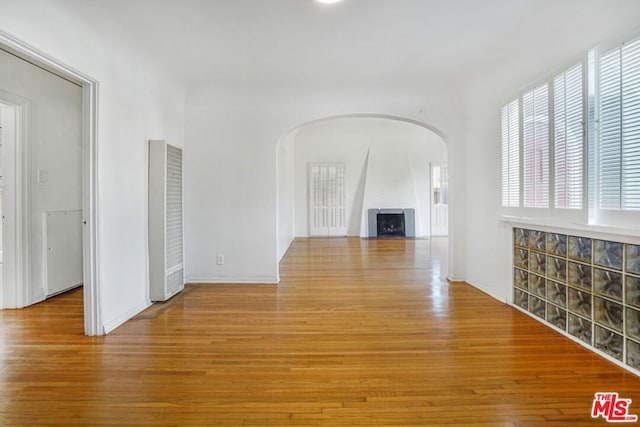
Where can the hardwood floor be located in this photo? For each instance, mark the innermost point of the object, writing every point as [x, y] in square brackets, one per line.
[359, 332]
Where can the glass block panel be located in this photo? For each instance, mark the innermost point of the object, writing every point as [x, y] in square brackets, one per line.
[557, 316]
[557, 244]
[633, 323]
[521, 258]
[521, 237]
[633, 291]
[608, 313]
[579, 328]
[633, 354]
[537, 262]
[579, 275]
[633, 259]
[537, 240]
[537, 306]
[557, 293]
[609, 342]
[579, 248]
[607, 254]
[521, 299]
[607, 283]
[557, 269]
[537, 285]
[520, 278]
[579, 302]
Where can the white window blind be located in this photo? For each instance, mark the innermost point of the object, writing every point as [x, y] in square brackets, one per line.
[568, 138]
[631, 125]
[619, 130]
[511, 154]
[535, 145]
[609, 135]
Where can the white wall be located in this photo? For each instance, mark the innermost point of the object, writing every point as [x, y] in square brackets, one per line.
[55, 149]
[285, 185]
[136, 103]
[230, 170]
[387, 165]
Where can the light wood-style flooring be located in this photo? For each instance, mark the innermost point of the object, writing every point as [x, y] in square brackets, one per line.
[359, 332]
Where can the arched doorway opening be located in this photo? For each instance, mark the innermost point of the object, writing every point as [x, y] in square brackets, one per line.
[368, 162]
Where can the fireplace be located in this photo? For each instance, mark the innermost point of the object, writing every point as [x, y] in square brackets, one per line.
[391, 223]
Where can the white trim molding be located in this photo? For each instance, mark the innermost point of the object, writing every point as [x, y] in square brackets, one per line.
[17, 232]
[120, 320]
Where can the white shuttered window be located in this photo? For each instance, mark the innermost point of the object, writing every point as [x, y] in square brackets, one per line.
[631, 125]
[609, 135]
[511, 154]
[568, 101]
[619, 130]
[535, 146]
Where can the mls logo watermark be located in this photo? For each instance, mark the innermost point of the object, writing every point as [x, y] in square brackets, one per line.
[612, 408]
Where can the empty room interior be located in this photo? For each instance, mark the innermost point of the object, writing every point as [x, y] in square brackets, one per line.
[319, 212]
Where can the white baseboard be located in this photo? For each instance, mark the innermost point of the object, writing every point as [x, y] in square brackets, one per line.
[217, 280]
[492, 294]
[118, 321]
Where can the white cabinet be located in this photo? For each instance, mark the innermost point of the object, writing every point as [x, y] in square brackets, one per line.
[166, 266]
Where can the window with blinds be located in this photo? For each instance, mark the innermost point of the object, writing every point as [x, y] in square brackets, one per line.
[568, 138]
[619, 128]
[535, 147]
[585, 120]
[511, 154]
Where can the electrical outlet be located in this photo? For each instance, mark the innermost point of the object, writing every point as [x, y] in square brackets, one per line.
[220, 259]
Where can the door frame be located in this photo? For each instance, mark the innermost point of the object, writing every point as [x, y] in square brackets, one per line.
[16, 197]
[93, 324]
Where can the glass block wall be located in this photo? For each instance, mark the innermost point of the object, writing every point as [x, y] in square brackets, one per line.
[586, 287]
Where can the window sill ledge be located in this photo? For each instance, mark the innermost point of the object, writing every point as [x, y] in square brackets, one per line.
[626, 235]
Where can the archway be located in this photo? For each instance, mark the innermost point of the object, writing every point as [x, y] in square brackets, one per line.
[388, 164]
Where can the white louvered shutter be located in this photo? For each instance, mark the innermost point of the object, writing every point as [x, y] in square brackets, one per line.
[619, 131]
[610, 132]
[535, 145]
[631, 125]
[511, 154]
[327, 199]
[568, 119]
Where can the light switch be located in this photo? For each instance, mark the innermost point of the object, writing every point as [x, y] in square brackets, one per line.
[43, 176]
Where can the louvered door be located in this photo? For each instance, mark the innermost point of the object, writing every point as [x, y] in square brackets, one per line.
[327, 199]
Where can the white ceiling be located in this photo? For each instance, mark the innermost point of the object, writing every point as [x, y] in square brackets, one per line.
[273, 40]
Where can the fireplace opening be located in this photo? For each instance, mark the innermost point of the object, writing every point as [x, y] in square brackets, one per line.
[391, 224]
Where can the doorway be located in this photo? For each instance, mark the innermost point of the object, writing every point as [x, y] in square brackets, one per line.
[327, 200]
[35, 221]
[439, 199]
[48, 156]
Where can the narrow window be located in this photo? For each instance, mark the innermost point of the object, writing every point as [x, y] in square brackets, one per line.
[511, 155]
[568, 138]
[535, 145]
